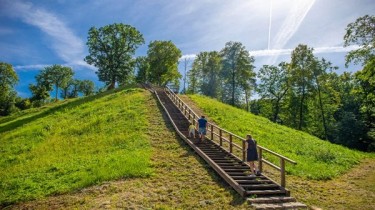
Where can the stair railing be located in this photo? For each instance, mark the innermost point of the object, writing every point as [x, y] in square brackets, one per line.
[227, 140]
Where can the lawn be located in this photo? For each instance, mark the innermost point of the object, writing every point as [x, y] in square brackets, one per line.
[73, 144]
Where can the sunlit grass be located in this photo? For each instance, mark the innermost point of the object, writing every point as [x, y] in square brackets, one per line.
[317, 159]
[72, 145]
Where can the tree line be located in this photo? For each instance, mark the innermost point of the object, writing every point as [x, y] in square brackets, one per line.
[305, 93]
[55, 78]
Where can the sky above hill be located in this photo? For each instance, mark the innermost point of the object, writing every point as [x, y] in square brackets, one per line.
[39, 33]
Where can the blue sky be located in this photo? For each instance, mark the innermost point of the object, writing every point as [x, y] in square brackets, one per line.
[38, 33]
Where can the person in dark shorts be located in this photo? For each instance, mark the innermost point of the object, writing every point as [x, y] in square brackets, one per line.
[252, 154]
[202, 128]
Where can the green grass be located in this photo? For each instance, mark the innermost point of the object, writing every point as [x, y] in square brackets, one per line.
[316, 159]
[73, 144]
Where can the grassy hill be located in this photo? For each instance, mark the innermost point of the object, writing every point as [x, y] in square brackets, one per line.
[73, 144]
[317, 159]
[115, 150]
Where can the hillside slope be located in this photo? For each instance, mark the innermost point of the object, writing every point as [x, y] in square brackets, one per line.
[317, 159]
[353, 189]
[72, 145]
[176, 178]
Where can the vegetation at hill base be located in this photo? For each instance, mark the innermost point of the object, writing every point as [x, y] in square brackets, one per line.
[316, 159]
[73, 145]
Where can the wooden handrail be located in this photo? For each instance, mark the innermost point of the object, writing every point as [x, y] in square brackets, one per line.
[189, 113]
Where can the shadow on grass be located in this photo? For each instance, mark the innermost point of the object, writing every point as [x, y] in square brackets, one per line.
[237, 200]
[69, 105]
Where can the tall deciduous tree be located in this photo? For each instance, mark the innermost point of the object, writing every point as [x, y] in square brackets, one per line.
[163, 59]
[8, 78]
[143, 69]
[87, 87]
[362, 33]
[274, 86]
[235, 60]
[301, 74]
[366, 93]
[57, 75]
[111, 50]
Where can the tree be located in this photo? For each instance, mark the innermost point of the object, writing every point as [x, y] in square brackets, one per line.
[8, 78]
[40, 91]
[235, 61]
[163, 59]
[206, 69]
[274, 86]
[194, 76]
[349, 128]
[57, 75]
[111, 50]
[362, 33]
[143, 69]
[211, 75]
[366, 94]
[87, 87]
[301, 73]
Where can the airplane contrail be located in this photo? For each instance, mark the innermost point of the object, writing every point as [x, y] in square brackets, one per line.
[291, 24]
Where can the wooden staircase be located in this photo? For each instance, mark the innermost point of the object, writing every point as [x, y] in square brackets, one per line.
[260, 191]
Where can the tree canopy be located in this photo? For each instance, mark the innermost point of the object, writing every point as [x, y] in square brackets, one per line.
[111, 50]
[362, 33]
[8, 79]
[163, 59]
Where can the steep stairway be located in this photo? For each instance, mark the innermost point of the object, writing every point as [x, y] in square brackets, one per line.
[260, 191]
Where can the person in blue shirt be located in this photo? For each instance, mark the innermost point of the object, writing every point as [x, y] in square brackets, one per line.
[202, 128]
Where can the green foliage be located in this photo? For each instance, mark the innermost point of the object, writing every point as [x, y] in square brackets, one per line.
[237, 72]
[143, 69]
[8, 78]
[362, 33]
[56, 75]
[74, 144]
[316, 159]
[366, 94]
[163, 60]
[111, 50]
[274, 86]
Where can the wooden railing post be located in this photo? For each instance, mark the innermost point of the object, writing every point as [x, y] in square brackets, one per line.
[189, 114]
[221, 137]
[230, 143]
[282, 167]
[243, 150]
[260, 162]
[212, 132]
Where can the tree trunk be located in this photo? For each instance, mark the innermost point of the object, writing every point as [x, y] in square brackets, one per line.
[112, 85]
[322, 110]
[277, 109]
[57, 91]
[233, 85]
[301, 109]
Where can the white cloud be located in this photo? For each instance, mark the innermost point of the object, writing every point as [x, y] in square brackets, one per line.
[188, 57]
[65, 43]
[295, 17]
[318, 50]
[31, 67]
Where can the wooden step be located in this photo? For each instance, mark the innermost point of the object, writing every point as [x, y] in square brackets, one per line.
[260, 186]
[271, 200]
[289, 205]
[262, 181]
[265, 192]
